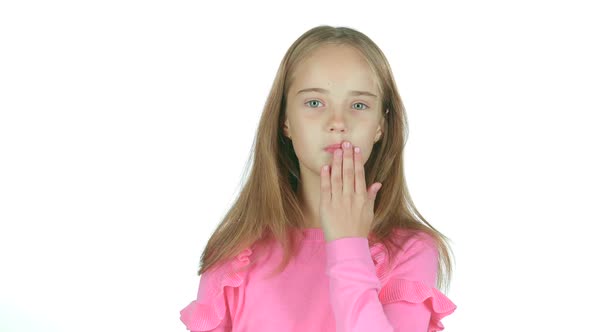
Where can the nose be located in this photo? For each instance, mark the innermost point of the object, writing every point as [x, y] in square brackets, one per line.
[338, 129]
[336, 123]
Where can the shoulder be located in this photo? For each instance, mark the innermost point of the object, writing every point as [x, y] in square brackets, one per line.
[408, 242]
[414, 255]
[418, 248]
[410, 285]
[417, 241]
[215, 303]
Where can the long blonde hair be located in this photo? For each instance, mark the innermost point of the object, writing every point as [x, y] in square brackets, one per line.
[267, 206]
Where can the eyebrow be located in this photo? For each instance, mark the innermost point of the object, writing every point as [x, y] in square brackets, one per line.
[351, 93]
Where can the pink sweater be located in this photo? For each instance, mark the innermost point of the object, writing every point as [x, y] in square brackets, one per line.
[342, 285]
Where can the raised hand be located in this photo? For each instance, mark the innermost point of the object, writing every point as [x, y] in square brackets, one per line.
[346, 205]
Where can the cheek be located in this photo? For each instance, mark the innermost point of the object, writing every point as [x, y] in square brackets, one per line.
[366, 148]
[306, 148]
[300, 145]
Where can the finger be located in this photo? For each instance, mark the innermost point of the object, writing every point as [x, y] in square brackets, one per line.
[360, 187]
[325, 191]
[336, 179]
[348, 171]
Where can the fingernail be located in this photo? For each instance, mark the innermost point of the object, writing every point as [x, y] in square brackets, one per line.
[357, 149]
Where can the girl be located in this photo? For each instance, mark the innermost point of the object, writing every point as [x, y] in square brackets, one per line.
[347, 257]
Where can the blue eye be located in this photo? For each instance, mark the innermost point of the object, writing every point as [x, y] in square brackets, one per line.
[311, 101]
[362, 104]
[315, 100]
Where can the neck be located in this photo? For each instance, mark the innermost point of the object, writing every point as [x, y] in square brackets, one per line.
[308, 194]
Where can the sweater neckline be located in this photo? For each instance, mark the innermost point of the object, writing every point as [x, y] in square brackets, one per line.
[312, 234]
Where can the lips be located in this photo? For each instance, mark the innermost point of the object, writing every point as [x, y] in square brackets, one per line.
[333, 147]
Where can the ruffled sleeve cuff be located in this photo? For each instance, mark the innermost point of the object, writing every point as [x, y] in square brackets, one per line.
[396, 290]
[210, 308]
[418, 292]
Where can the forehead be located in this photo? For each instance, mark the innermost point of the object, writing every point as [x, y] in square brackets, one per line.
[334, 66]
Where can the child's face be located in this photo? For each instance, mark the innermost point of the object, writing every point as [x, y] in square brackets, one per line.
[317, 119]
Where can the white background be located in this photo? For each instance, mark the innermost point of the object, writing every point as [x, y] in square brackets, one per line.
[125, 129]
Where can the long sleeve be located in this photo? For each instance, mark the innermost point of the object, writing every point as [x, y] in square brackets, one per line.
[360, 303]
[201, 315]
[219, 293]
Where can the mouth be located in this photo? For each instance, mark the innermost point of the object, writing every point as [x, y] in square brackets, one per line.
[331, 149]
